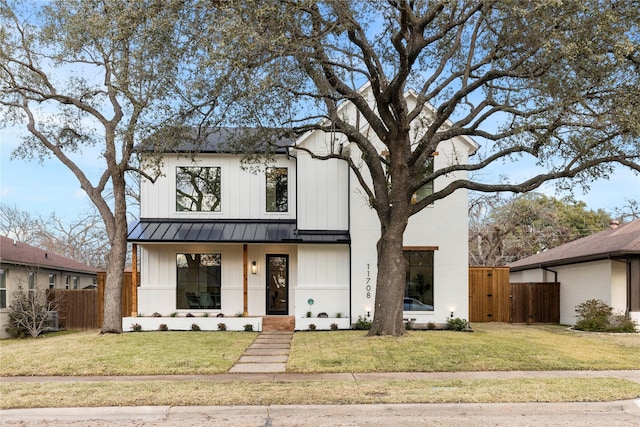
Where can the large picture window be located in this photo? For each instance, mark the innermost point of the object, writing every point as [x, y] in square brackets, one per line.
[198, 189]
[418, 294]
[199, 280]
[277, 189]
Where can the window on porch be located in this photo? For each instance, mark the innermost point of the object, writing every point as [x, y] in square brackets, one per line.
[199, 280]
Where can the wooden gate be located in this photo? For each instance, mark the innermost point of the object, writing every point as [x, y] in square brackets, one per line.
[535, 303]
[489, 294]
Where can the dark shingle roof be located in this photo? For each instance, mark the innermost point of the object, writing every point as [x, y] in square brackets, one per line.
[620, 241]
[13, 252]
[219, 140]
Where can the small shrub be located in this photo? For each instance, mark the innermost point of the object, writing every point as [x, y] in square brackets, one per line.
[248, 327]
[190, 315]
[595, 315]
[205, 315]
[334, 326]
[136, 327]
[363, 324]
[338, 315]
[222, 327]
[163, 327]
[312, 327]
[323, 315]
[140, 315]
[457, 324]
[195, 327]
[220, 315]
[240, 314]
[431, 326]
[407, 325]
[309, 314]
[156, 314]
[174, 314]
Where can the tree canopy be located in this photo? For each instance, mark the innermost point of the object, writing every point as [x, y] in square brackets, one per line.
[503, 230]
[553, 84]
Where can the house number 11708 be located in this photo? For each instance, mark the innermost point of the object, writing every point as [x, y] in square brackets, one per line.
[368, 280]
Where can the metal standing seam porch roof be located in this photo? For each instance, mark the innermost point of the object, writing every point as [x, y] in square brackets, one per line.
[228, 231]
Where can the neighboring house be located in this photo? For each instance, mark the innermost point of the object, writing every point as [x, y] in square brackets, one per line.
[604, 266]
[297, 236]
[36, 269]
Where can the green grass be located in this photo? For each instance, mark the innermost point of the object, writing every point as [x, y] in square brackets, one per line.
[145, 353]
[196, 393]
[492, 347]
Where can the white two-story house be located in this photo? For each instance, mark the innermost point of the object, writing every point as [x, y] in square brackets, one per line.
[294, 238]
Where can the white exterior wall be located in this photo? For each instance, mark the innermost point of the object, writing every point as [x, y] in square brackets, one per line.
[323, 276]
[157, 291]
[323, 196]
[581, 282]
[443, 225]
[243, 193]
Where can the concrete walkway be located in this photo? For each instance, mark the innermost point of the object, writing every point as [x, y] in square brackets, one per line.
[268, 353]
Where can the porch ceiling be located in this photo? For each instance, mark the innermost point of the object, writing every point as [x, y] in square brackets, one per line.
[229, 231]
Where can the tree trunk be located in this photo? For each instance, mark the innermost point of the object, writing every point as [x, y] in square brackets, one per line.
[116, 259]
[392, 268]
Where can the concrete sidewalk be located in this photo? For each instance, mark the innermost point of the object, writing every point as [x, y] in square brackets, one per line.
[631, 375]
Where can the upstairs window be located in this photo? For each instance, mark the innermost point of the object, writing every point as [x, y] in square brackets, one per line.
[427, 189]
[197, 189]
[52, 281]
[277, 189]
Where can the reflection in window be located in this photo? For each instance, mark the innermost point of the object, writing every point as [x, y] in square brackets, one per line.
[419, 281]
[199, 280]
[427, 189]
[277, 190]
[197, 189]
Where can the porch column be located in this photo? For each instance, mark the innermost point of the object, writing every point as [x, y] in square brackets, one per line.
[245, 280]
[134, 279]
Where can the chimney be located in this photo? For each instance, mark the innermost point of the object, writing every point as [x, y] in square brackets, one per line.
[614, 224]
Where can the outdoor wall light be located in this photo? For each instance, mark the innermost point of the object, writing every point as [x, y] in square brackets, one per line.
[254, 267]
[368, 311]
[452, 309]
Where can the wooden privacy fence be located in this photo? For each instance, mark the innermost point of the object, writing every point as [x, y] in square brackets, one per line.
[493, 299]
[77, 309]
[83, 309]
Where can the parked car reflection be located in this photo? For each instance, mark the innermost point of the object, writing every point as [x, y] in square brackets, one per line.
[412, 304]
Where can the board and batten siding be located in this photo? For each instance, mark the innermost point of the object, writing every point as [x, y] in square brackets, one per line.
[323, 188]
[323, 276]
[243, 192]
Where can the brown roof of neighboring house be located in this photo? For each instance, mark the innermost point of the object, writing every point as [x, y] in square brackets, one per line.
[614, 242]
[13, 252]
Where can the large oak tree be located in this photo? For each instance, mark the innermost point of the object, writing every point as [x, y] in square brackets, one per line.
[552, 83]
[100, 76]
